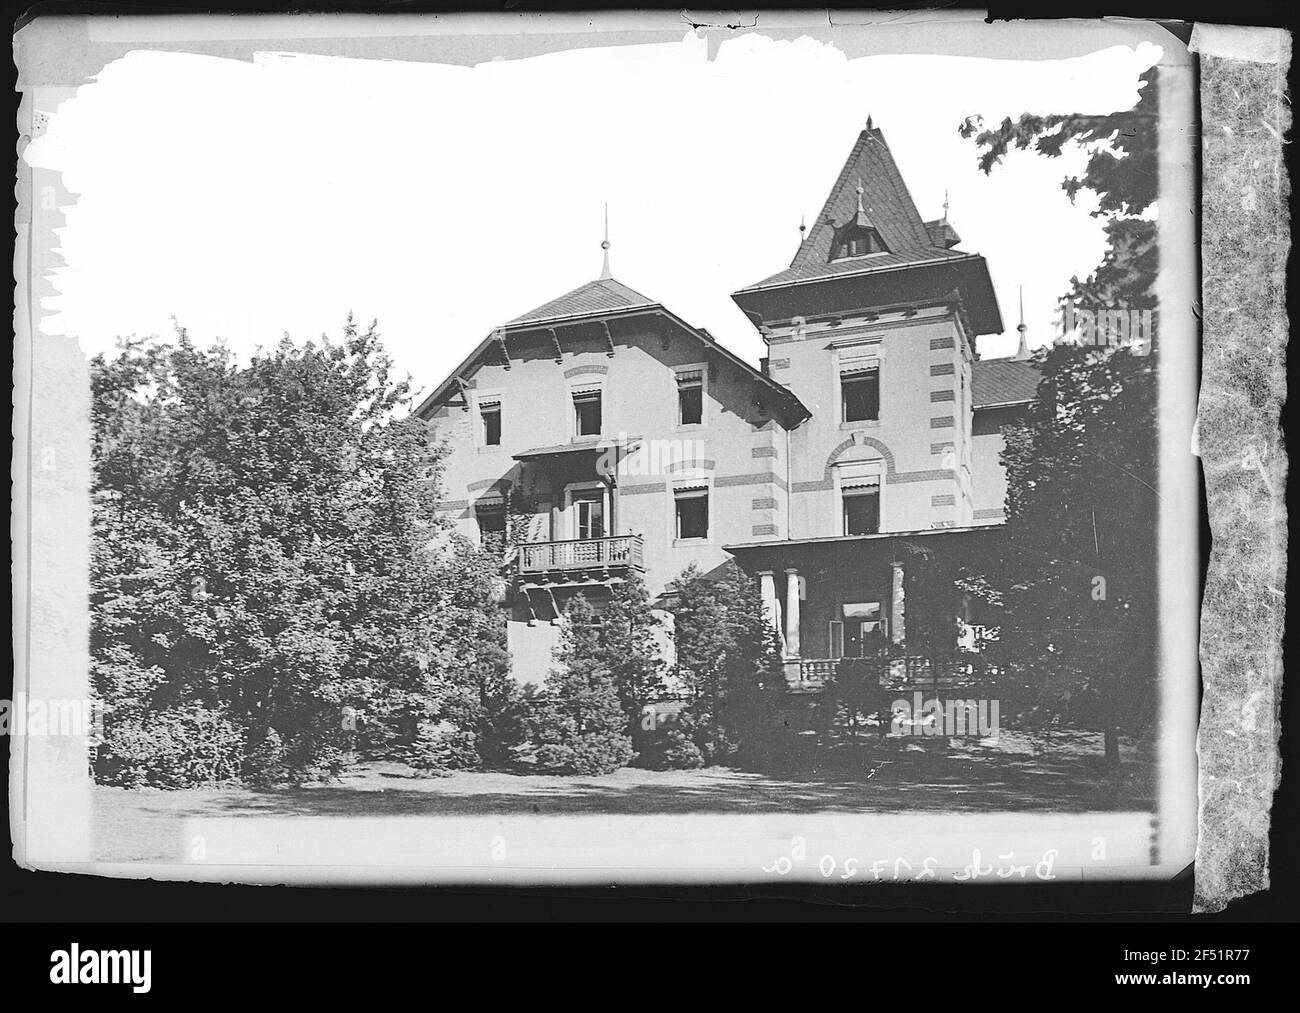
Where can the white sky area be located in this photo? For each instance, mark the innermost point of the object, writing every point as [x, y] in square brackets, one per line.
[248, 200]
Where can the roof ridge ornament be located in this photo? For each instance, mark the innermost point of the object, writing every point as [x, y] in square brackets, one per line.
[863, 218]
[1022, 353]
[605, 274]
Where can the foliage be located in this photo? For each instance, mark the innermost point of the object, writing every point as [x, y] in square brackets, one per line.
[579, 725]
[176, 748]
[1077, 575]
[266, 548]
[729, 661]
[1076, 578]
[1122, 172]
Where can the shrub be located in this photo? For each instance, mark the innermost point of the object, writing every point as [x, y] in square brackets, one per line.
[729, 660]
[672, 749]
[442, 748]
[184, 747]
[586, 754]
[579, 725]
[264, 766]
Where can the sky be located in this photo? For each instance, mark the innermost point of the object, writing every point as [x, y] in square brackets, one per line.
[249, 200]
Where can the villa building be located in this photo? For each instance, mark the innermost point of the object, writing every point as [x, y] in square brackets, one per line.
[601, 433]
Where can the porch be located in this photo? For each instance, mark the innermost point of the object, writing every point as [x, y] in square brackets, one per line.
[856, 607]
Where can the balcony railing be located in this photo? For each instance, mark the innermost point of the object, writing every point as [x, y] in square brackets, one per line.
[617, 551]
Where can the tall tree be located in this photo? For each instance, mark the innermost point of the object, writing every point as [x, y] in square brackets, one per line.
[729, 662]
[266, 546]
[580, 725]
[1076, 576]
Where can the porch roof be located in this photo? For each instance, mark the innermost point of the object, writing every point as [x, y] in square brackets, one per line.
[849, 540]
[626, 444]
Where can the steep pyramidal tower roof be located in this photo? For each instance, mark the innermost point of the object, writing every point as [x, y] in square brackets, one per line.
[870, 247]
[888, 208]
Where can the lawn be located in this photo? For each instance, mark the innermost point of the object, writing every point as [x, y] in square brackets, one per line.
[1065, 776]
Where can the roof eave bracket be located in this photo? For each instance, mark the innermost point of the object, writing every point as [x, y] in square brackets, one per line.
[500, 335]
[609, 339]
[555, 340]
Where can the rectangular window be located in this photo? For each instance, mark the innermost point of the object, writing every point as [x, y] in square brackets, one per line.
[491, 417]
[861, 510]
[690, 398]
[692, 507]
[589, 514]
[586, 413]
[860, 395]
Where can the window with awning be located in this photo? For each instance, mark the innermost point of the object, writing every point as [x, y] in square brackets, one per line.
[691, 509]
[860, 500]
[690, 397]
[489, 412]
[860, 391]
[587, 412]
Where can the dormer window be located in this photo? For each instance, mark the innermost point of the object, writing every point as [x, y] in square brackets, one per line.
[857, 241]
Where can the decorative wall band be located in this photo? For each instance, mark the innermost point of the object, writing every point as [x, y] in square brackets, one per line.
[943, 395]
[941, 448]
[778, 363]
[704, 465]
[983, 515]
[763, 529]
[641, 487]
[943, 501]
[484, 483]
[934, 475]
[580, 370]
[821, 486]
[762, 452]
[759, 478]
[943, 422]
[452, 504]
[763, 504]
[937, 343]
[941, 369]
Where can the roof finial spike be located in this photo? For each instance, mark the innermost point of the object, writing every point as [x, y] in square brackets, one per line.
[604, 270]
[803, 229]
[868, 121]
[945, 206]
[861, 191]
[1022, 352]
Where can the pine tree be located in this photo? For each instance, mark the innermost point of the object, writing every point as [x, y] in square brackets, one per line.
[729, 660]
[580, 725]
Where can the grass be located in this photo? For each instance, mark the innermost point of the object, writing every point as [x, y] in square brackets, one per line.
[140, 824]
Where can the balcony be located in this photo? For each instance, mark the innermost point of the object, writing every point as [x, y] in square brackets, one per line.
[581, 554]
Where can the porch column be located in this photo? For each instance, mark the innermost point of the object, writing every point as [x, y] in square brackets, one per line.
[897, 619]
[792, 613]
[767, 590]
